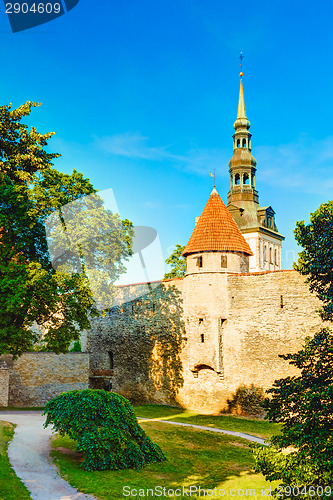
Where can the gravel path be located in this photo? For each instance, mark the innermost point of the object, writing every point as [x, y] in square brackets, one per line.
[30, 448]
[28, 454]
[211, 429]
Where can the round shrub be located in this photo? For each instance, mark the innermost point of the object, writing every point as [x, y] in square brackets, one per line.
[105, 428]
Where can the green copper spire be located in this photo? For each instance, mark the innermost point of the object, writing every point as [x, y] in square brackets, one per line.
[242, 166]
[241, 121]
[241, 104]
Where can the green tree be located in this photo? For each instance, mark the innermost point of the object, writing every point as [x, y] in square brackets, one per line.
[53, 290]
[76, 347]
[302, 456]
[304, 405]
[316, 259]
[177, 263]
[105, 428]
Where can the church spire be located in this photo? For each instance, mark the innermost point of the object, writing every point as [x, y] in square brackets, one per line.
[242, 166]
[241, 121]
[257, 224]
[241, 104]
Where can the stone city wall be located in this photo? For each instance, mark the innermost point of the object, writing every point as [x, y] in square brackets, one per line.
[141, 342]
[36, 377]
[269, 314]
[155, 345]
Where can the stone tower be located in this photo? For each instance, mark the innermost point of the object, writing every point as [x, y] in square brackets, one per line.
[257, 224]
[215, 250]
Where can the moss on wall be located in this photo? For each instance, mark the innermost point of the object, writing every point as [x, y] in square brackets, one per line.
[143, 340]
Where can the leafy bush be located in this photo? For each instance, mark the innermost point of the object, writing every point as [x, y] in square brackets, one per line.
[76, 347]
[247, 401]
[105, 428]
[302, 455]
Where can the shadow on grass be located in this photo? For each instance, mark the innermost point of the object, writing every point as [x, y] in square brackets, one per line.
[259, 428]
[195, 458]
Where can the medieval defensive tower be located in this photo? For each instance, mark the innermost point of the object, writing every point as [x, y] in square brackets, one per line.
[215, 249]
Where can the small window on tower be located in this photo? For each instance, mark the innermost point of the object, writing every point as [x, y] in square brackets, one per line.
[224, 262]
[270, 256]
[199, 261]
[238, 143]
[265, 253]
[246, 179]
[275, 257]
[237, 179]
[109, 361]
[244, 143]
[201, 335]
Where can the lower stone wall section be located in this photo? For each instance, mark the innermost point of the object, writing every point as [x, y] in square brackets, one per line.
[141, 342]
[155, 349]
[37, 377]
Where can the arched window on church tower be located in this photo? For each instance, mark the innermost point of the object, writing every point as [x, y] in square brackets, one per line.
[237, 179]
[271, 256]
[244, 143]
[246, 179]
[265, 253]
[238, 143]
[275, 257]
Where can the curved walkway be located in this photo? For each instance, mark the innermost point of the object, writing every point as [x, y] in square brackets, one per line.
[211, 429]
[29, 451]
[28, 454]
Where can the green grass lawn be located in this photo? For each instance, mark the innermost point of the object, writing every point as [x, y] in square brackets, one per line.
[11, 488]
[195, 458]
[259, 428]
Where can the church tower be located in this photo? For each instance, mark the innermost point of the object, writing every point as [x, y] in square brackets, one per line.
[256, 223]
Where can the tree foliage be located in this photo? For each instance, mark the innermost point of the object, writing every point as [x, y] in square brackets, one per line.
[316, 259]
[105, 428]
[36, 287]
[177, 263]
[304, 405]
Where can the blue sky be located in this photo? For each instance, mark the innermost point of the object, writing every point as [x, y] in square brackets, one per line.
[143, 95]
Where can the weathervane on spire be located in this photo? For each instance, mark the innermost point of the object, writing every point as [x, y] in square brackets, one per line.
[213, 175]
[241, 57]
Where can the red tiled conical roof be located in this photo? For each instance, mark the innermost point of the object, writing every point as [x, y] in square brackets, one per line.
[216, 230]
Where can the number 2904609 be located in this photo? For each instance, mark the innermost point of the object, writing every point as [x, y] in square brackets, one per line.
[35, 8]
